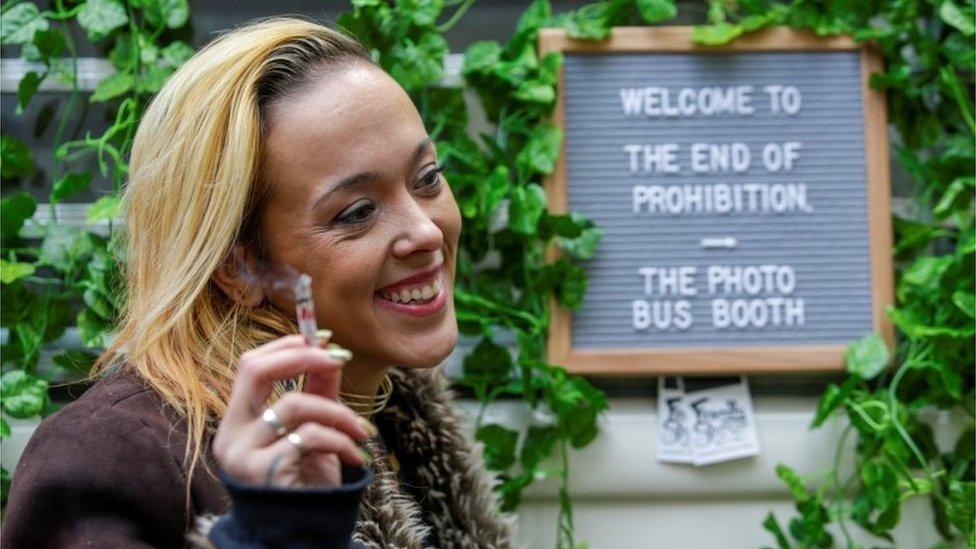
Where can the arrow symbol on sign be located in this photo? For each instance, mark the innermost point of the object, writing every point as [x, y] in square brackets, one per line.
[727, 242]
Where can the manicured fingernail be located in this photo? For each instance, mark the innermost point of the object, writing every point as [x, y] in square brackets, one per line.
[339, 354]
[367, 457]
[322, 335]
[368, 426]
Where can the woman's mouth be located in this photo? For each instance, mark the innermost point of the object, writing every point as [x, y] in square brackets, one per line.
[419, 299]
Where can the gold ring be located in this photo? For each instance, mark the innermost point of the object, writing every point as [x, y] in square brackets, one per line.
[296, 440]
[271, 419]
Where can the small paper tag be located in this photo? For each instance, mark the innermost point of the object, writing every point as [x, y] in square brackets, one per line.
[705, 420]
[674, 422]
[723, 424]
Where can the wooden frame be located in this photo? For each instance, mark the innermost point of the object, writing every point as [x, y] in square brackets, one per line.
[711, 360]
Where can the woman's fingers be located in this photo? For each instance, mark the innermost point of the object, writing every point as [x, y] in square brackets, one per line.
[294, 340]
[313, 438]
[256, 376]
[296, 408]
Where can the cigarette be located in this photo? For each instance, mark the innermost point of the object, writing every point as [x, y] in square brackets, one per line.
[305, 309]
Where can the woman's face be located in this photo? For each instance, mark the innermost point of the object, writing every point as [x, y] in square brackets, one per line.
[358, 203]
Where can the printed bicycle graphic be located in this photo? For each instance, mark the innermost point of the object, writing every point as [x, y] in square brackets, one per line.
[675, 432]
[715, 426]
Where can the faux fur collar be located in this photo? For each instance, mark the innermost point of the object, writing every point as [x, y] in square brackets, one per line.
[442, 495]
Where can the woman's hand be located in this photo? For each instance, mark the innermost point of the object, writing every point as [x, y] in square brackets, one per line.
[247, 446]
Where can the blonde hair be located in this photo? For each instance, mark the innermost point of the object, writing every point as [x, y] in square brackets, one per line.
[194, 191]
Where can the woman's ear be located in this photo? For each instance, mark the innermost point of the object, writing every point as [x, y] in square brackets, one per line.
[236, 278]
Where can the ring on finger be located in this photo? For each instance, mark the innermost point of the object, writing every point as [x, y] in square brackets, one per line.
[270, 417]
[296, 440]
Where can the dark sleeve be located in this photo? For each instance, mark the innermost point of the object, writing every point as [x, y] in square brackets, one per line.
[277, 517]
[96, 477]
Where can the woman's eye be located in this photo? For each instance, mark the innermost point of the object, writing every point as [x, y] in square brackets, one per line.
[431, 179]
[357, 213]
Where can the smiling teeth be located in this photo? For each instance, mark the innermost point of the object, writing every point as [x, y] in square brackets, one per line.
[419, 293]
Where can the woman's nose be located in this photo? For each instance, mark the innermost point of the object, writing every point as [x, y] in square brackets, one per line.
[420, 232]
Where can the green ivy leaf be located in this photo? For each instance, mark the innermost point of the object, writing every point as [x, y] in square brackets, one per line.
[541, 151]
[538, 445]
[526, 207]
[176, 54]
[49, 43]
[171, 13]
[153, 78]
[24, 394]
[572, 288]
[488, 364]
[105, 208]
[76, 361]
[511, 490]
[880, 483]
[11, 271]
[833, 397]
[914, 326]
[14, 211]
[567, 226]
[793, 481]
[535, 91]
[419, 64]
[953, 15]
[867, 357]
[26, 89]
[20, 22]
[549, 68]
[92, 329]
[64, 247]
[966, 302]
[577, 404]
[71, 183]
[584, 246]
[655, 11]
[772, 525]
[499, 446]
[962, 495]
[100, 17]
[98, 303]
[4, 428]
[717, 34]
[16, 159]
[591, 22]
[924, 275]
[4, 485]
[955, 189]
[112, 86]
[481, 56]
[948, 379]
[422, 13]
[537, 15]
[57, 315]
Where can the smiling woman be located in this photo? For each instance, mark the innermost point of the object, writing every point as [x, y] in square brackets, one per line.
[278, 148]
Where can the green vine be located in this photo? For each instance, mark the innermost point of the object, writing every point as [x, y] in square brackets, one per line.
[58, 275]
[929, 58]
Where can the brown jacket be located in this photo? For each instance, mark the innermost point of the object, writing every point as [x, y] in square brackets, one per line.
[107, 471]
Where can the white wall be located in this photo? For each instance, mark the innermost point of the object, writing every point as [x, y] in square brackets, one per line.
[623, 497]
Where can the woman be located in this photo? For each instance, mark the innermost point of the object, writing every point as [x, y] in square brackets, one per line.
[280, 148]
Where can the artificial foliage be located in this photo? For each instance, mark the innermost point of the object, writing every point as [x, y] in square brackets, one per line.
[54, 276]
[890, 397]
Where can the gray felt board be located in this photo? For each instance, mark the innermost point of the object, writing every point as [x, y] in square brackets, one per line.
[827, 248]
